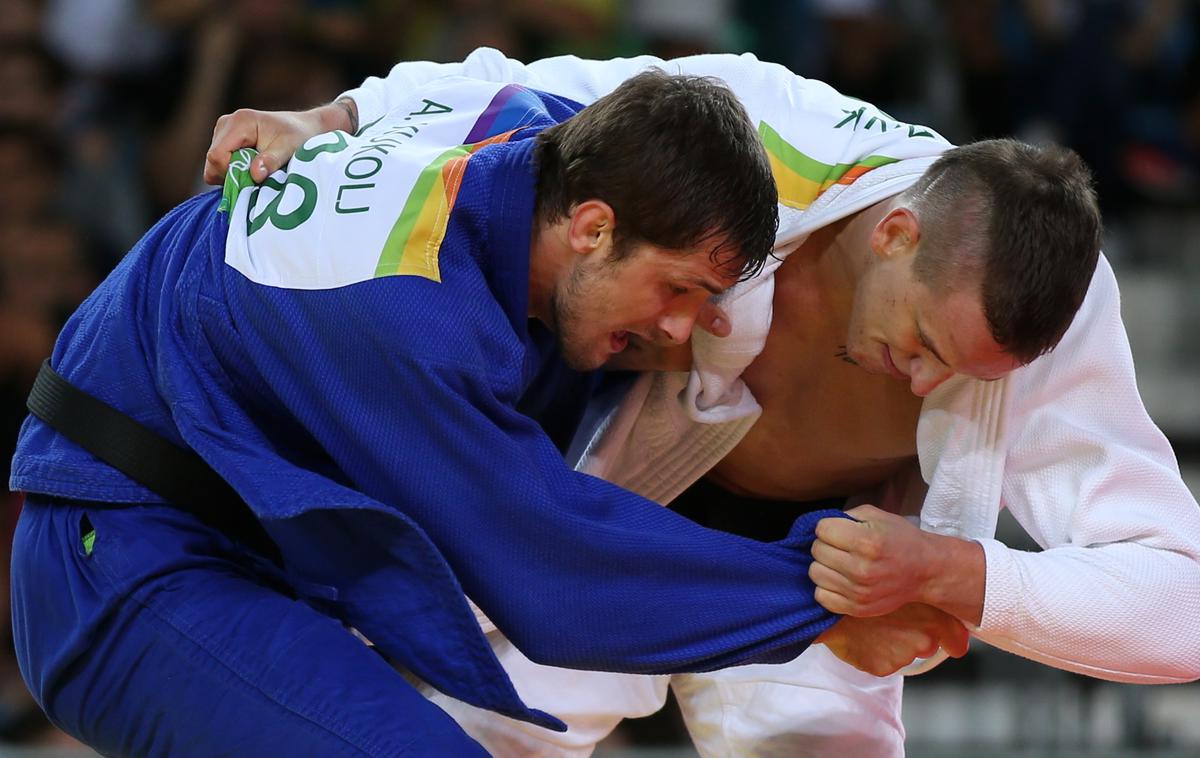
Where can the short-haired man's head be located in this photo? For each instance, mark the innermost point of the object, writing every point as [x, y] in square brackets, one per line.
[679, 162]
[1019, 219]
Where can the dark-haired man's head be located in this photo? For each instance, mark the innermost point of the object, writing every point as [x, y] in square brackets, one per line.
[983, 262]
[659, 195]
[1022, 219]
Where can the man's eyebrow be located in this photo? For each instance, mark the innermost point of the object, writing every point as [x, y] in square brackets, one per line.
[929, 345]
[708, 285]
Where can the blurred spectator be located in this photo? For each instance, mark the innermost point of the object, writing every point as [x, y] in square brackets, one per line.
[872, 49]
[21, 19]
[579, 27]
[104, 37]
[987, 60]
[1109, 78]
[672, 28]
[449, 30]
[29, 83]
[869, 52]
[446, 30]
[42, 269]
[27, 151]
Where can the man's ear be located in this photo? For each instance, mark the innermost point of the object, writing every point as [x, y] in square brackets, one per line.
[897, 233]
[591, 226]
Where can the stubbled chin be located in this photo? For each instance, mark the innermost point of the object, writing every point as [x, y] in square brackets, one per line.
[629, 359]
[585, 361]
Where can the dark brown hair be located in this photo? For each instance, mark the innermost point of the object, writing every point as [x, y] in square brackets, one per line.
[678, 160]
[1021, 219]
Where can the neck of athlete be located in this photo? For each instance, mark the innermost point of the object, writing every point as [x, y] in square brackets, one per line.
[834, 258]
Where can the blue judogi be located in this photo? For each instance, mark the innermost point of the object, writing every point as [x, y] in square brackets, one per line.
[373, 427]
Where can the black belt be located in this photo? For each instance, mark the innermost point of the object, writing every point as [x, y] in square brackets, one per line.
[177, 474]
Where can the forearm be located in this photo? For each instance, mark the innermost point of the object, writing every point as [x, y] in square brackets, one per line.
[649, 586]
[1123, 611]
[340, 115]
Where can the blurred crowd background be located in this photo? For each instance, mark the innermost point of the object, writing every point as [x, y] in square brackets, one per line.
[107, 107]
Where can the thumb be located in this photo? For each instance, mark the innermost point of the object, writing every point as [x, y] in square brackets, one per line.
[264, 164]
[958, 641]
[713, 320]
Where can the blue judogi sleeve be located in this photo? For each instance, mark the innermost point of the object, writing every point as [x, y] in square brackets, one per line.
[418, 413]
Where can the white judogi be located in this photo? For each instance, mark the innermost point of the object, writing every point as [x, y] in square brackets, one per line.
[1064, 443]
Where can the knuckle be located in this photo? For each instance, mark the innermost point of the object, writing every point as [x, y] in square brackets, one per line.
[862, 571]
[822, 530]
[871, 547]
[926, 642]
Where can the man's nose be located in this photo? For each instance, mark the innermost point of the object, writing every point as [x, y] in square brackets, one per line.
[676, 326]
[925, 376]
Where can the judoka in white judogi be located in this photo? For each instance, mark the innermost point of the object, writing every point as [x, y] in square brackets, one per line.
[1064, 443]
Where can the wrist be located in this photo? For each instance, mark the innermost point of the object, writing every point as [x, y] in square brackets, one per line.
[340, 115]
[347, 114]
[955, 577]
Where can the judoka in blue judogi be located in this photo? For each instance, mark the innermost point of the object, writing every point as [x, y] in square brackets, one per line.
[350, 347]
